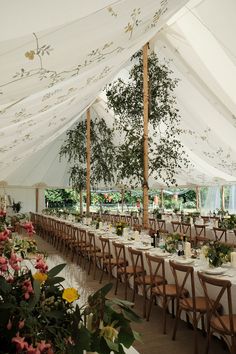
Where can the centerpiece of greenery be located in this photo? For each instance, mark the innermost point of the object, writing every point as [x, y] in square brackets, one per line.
[120, 227]
[171, 242]
[217, 253]
[38, 314]
[228, 223]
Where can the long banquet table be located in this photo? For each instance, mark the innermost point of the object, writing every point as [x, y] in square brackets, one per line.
[144, 245]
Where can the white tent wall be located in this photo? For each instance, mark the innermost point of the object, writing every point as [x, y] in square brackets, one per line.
[27, 197]
[50, 74]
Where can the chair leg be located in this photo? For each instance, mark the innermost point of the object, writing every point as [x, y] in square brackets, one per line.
[178, 313]
[165, 304]
[208, 339]
[195, 338]
[149, 307]
[126, 286]
[134, 291]
[102, 274]
[117, 280]
[144, 301]
[95, 267]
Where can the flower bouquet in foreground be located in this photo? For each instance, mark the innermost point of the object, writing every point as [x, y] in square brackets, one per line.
[39, 315]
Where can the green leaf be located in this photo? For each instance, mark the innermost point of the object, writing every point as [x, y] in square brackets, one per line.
[102, 292]
[120, 302]
[131, 315]
[54, 280]
[5, 287]
[126, 336]
[137, 336]
[84, 338]
[55, 270]
[37, 291]
[112, 345]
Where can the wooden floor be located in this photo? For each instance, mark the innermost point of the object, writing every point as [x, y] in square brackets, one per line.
[154, 342]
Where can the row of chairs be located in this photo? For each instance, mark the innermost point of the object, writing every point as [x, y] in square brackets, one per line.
[153, 285]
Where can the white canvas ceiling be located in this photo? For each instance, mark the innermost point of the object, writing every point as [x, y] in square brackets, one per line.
[56, 58]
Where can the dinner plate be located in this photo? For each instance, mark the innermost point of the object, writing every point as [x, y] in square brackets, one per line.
[126, 242]
[215, 271]
[143, 247]
[160, 254]
[184, 261]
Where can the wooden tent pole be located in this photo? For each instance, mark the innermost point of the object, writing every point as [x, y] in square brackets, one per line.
[162, 198]
[222, 197]
[198, 201]
[145, 136]
[88, 153]
[36, 200]
[81, 202]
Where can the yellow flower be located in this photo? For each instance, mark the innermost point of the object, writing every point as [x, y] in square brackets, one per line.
[41, 277]
[109, 333]
[70, 294]
[30, 55]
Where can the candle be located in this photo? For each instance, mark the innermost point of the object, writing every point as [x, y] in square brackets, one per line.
[187, 249]
[136, 236]
[125, 232]
[233, 259]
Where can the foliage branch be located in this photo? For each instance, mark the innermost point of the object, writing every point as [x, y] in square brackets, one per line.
[103, 163]
[126, 100]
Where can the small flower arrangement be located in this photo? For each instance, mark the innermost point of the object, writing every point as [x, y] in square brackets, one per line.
[171, 242]
[119, 228]
[38, 315]
[217, 253]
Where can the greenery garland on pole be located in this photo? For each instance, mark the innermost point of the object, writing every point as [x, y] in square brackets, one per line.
[103, 152]
[125, 98]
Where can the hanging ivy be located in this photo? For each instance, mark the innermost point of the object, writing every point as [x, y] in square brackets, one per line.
[103, 151]
[125, 98]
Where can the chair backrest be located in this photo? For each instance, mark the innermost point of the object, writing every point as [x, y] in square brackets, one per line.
[123, 218]
[137, 262]
[135, 220]
[176, 226]
[61, 228]
[218, 289]
[156, 267]
[220, 234]
[128, 220]
[137, 227]
[200, 230]
[152, 223]
[120, 253]
[183, 274]
[161, 225]
[76, 234]
[116, 218]
[82, 236]
[206, 219]
[186, 229]
[91, 241]
[105, 246]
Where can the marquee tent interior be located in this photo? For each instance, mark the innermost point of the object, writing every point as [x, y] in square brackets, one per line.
[55, 64]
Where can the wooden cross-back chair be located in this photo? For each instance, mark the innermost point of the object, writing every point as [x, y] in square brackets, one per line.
[222, 324]
[159, 287]
[194, 306]
[220, 234]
